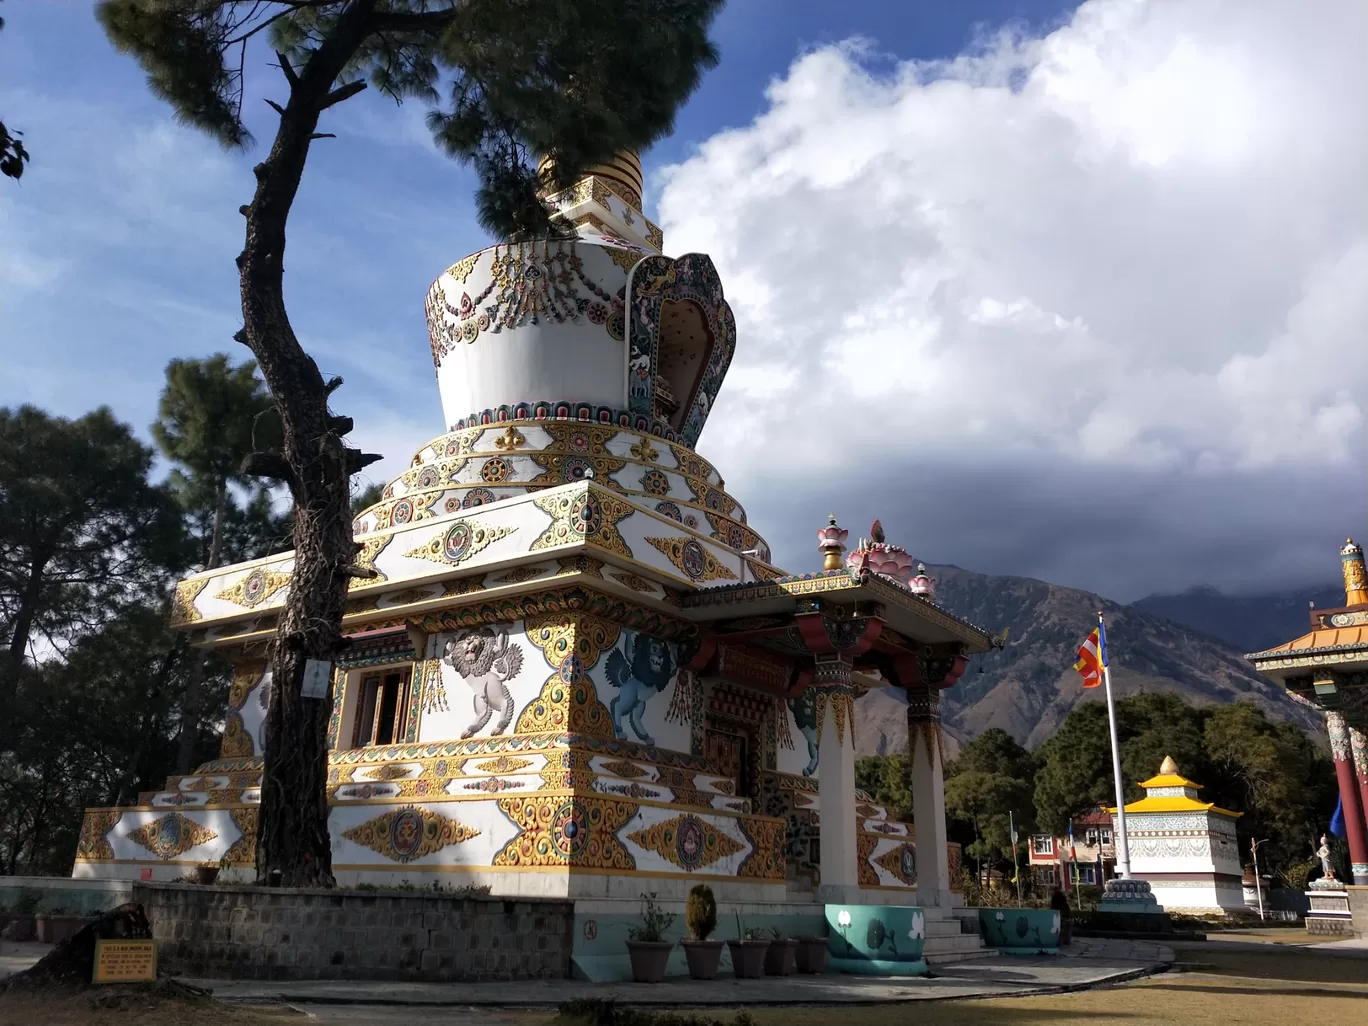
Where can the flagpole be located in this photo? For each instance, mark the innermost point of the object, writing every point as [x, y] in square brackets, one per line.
[1122, 847]
[1016, 866]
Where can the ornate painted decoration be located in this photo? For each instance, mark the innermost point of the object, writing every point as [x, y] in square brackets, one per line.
[671, 375]
[766, 860]
[409, 833]
[562, 831]
[588, 515]
[255, 588]
[95, 828]
[568, 699]
[242, 852]
[503, 764]
[692, 559]
[461, 540]
[623, 768]
[900, 862]
[183, 609]
[687, 842]
[169, 836]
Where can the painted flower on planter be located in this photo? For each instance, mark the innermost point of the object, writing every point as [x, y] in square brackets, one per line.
[1054, 925]
[918, 930]
[843, 918]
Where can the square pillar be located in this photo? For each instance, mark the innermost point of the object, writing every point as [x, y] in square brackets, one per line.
[928, 795]
[840, 877]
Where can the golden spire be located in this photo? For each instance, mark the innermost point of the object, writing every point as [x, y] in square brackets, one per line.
[1355, 577]
[1168, 768]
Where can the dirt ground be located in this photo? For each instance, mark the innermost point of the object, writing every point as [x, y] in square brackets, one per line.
[133, 1006]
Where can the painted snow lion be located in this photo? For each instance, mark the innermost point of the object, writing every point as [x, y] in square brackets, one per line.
[642, 667]
[486, 661]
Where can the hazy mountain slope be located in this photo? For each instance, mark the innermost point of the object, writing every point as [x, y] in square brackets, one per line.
[1029, 687]
[1250, 623]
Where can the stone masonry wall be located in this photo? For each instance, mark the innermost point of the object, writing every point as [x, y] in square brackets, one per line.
[299, 934]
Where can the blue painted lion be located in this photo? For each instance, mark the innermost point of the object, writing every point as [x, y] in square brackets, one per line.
[642, 667]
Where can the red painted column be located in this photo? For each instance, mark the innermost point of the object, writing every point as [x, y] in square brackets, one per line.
[1358, 753]
[1341, 748]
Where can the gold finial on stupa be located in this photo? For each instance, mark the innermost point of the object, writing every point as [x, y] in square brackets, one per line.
[1355, 576]
[1168, 768]
[621, 175]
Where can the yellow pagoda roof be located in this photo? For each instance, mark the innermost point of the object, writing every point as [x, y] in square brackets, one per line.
[1176, 803]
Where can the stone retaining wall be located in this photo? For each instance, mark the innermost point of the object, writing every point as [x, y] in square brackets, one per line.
[304, 934]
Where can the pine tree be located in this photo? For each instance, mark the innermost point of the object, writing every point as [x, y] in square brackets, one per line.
[12, 153]
[210, 412]
[574, 80]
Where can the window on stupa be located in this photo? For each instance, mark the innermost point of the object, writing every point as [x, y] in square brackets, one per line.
[381, 708]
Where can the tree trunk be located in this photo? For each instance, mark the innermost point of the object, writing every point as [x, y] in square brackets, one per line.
[23, 626]
[292, 833]
[194, 678]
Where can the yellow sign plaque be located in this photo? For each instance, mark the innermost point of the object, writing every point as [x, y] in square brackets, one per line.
[125, 961]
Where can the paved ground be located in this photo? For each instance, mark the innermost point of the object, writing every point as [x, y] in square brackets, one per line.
[1090, 962]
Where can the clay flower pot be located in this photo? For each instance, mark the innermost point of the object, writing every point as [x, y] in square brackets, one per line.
[780, 959]
[811, 954]
[649, 959]
[703, 957]
[748, 958]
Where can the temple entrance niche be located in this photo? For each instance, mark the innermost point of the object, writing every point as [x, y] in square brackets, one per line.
[734, 728]
[685, 346]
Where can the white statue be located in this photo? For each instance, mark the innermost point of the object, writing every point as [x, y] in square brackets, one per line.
[1323, 853]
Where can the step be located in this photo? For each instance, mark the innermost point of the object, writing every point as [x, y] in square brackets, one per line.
[965, 942]
[951, 957]
[945, 928]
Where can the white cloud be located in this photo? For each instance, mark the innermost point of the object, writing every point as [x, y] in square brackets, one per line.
[1138, 243]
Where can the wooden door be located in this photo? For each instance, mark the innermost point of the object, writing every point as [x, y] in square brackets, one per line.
[726, 755]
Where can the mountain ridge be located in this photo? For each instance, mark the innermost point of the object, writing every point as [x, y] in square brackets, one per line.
[1029, 686]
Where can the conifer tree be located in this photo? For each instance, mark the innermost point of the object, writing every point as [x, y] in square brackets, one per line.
[573, 80]
[210, 412]
[12, 153]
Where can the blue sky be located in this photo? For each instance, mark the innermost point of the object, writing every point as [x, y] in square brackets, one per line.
[1072, 180]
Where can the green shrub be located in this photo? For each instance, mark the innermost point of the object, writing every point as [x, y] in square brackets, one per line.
[700, 912]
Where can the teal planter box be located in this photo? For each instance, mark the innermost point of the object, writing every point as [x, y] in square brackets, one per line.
[1020, 931]
[876, 940]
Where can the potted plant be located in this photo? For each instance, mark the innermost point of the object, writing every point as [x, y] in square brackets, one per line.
[56, 926]
[748, 952]
[810, 954]
[647, 947]
[780, 959]
[700, 916]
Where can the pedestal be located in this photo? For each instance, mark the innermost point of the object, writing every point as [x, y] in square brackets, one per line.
[1130, 897]
[1330, 914]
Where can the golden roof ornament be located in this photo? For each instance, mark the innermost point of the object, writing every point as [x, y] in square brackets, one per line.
[1168, 768]
[1355, 575]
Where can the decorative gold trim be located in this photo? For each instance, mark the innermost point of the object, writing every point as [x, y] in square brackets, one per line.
[461, 269]
[459, 542]
[681, 552]
[244, 594]
[183, 609]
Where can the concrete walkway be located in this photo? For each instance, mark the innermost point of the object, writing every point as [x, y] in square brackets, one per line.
[1088, 963]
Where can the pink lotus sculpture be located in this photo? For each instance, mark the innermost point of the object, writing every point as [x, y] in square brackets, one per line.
[831, 540]
[878, 555]
[922, 584]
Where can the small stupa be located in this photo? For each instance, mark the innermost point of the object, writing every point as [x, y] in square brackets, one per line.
[1183, 847]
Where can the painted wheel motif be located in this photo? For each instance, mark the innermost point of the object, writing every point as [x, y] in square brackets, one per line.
[406, 834]
[575, 468]
[402, 512]
[578, 441]
[427, 478]
[691, 521]
[452, 504]
[586, 518]
[693, 558]
[654, 482]
[478, 497]
[570, 829]
[689, 843]
[495, 469]
[715, 500]
[670, 510]
[907, 859]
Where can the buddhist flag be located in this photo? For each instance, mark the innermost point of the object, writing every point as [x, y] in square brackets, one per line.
[1091, 658]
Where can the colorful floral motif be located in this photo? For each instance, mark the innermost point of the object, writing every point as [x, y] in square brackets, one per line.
[503, 764]
[171, 835]
[623, 768]
[569, 700]
[589, 515]
[255, 588]
[242, 852]
[766, 859]
[692, 559]
[555, 831]
[409, 833]
[183, 609]
[462, 540]
[478, 497]
[687, 842]
[95, 829]
[900, 862]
